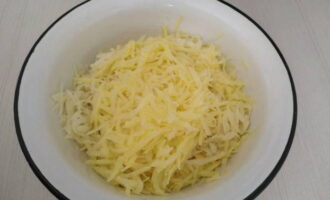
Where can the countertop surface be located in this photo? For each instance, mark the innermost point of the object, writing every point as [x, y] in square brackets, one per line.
[301, 29]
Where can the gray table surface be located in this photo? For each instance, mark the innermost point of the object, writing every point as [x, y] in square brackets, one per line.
[301, 28]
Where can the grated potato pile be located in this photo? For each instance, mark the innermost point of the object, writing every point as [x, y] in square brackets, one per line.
[157, 114]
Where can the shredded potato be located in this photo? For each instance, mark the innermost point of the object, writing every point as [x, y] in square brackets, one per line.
[157, 114]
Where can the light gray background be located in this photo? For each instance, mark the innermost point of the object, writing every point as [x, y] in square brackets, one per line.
[301, 28]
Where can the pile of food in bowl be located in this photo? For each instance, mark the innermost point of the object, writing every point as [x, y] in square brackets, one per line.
[157, 114]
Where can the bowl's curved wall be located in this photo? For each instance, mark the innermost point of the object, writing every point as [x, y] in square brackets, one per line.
[98, 25]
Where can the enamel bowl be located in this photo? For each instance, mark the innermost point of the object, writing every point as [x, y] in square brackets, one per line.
[94, 26]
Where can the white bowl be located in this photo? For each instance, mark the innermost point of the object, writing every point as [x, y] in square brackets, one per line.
[93, 26]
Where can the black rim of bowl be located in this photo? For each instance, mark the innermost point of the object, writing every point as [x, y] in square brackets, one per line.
[59, 195]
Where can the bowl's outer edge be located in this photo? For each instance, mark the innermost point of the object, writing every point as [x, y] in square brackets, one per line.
[24, 149]
[285, 153]
[61, 196]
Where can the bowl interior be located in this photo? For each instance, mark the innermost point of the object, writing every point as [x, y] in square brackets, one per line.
[98, 25]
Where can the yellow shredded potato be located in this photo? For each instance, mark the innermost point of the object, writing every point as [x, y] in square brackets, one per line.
[157, 114]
